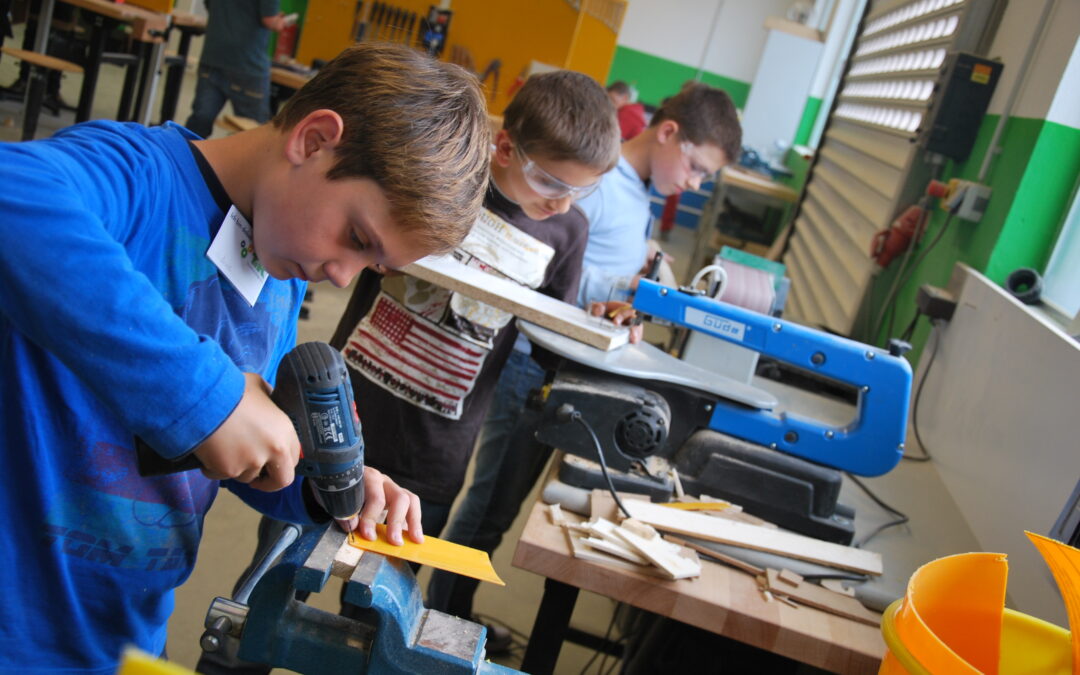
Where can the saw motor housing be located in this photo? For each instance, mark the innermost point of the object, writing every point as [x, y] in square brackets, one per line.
[641, 439]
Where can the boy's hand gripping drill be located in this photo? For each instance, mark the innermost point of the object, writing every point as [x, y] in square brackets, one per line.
[314, 390]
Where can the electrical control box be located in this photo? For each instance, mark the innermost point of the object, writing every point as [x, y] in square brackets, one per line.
[958, 108]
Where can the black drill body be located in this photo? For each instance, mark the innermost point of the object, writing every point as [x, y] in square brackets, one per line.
[314, 390]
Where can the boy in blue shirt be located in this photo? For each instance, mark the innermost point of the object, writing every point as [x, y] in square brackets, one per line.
[128, 306]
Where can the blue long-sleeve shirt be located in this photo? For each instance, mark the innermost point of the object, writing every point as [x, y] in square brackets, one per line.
[619, 220]
[114, 323]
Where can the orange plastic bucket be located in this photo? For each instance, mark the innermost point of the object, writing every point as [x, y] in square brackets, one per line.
[953, 620]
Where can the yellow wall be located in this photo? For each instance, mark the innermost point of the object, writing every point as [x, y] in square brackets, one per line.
[328, 26]
[593, 49]
[516, 32]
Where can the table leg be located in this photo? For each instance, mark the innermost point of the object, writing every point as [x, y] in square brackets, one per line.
[549, 629]
[174, 78]
[98, 35]
[148, 87]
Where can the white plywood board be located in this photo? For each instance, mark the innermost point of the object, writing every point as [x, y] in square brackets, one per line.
[521, 301]
[755, 537]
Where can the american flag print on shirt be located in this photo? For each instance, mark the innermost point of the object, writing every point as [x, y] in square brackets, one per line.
[413, 358]
[426, 344]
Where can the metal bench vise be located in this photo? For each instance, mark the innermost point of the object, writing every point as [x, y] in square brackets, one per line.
[265, 623]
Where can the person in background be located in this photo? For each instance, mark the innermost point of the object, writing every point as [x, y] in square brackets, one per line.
[159, 299]
[631, 115]
[691, 137]
[235, 66]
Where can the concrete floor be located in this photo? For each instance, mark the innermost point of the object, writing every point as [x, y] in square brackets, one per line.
[935, 528]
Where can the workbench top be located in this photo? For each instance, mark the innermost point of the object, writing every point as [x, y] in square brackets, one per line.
[722, 600]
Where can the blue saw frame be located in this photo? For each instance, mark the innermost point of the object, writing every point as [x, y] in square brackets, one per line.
[870, 445]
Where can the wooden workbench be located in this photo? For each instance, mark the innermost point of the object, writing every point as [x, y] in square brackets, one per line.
[722, 600]
[739, 178]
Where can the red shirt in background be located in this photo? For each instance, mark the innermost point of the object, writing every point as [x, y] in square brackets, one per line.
[631, 120]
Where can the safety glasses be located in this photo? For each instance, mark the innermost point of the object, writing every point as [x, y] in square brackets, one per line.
[695, 166]
[548, 186]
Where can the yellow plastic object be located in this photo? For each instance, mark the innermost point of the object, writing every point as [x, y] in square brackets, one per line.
[137, 662]
[438, 553]
[697, 506]
[953, 620]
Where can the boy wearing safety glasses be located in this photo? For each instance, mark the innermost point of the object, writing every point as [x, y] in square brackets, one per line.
[424, 360]
[691, 137]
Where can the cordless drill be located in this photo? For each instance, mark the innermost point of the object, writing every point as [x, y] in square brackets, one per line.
[313, 389]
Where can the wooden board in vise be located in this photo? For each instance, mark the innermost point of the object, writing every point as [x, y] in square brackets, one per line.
[520, 301]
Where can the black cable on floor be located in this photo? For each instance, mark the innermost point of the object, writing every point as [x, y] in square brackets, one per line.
[925, 457]
[607, 637]
[877, 500]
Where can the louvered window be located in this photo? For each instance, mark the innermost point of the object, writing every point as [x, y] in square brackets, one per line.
[869, 165]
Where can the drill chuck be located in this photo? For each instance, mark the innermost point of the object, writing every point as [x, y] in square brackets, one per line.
[314, 390]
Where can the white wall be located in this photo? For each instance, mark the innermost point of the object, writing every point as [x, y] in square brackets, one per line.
[1066, 106]
[678, 30]
[997, 413]
[1052, 52]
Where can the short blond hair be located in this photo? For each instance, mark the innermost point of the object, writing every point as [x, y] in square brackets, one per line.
[563, 115]
[415, 126]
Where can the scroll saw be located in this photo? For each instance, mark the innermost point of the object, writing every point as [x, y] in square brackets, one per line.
[651, 411]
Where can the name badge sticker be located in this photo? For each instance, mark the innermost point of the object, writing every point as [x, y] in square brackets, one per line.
[233, 251]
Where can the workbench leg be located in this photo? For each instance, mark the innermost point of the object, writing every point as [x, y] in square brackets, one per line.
[549, 629]
[99, 33]
[174, 78]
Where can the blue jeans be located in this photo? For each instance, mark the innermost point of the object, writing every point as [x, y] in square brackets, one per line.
[250, 97]
[508, 462]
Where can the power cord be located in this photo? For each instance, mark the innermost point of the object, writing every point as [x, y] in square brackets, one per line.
[607, 637]
[925, 457]
[905, 273]
[567, 413]
[903, 518]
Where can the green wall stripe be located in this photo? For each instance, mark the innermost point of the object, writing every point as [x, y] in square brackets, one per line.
[1037, 156]
[656, 78]
[806, 124]
[1038, 208]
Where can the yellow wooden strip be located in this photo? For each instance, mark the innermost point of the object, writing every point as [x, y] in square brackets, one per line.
[434, 552]
[697, 506]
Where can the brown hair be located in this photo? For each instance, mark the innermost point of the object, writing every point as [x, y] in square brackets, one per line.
[619, 87]
[705, 115]
[563, 115]
[415, 126]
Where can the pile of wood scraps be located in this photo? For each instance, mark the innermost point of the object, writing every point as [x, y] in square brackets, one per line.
[630, 545]
[699, 524]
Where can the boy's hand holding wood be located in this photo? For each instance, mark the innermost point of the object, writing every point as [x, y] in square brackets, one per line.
[621, 314]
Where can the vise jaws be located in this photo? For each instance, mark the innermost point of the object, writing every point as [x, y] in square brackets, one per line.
[265, 622]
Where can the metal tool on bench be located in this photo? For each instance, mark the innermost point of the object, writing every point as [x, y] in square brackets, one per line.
[264, 623]
[728, 439]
